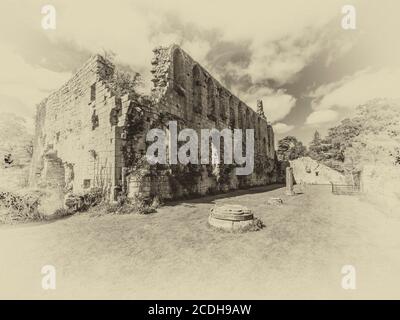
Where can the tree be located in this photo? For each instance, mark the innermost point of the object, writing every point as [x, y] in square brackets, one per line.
[15, 140]
[315, 147]
[378, 140]
[289, 148]
[331, 149]
[123, 82]
[121, 79]
[338, 139]
[371, 136]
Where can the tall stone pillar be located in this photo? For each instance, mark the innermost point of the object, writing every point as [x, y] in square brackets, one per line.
[289, 181]
[116, 164]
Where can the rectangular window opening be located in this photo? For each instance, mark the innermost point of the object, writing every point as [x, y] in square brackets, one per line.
[93, 92]
[86, 183]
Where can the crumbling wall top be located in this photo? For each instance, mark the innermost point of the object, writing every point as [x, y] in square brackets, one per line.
[173, 68]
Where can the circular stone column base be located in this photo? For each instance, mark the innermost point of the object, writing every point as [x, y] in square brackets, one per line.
[231, 218]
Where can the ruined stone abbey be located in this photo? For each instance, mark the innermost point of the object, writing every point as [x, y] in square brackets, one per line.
[91, 133]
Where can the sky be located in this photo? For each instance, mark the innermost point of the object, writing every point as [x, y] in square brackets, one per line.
[292, 54]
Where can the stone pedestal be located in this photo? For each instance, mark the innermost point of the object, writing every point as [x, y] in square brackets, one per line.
[231, 218]
[275, 201]
[289, 182]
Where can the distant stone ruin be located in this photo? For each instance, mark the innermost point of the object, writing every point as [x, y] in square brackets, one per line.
[309, 171]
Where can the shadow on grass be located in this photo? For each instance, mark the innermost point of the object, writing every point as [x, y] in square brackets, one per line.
[189, 202]
[31, 223]
[231, 194]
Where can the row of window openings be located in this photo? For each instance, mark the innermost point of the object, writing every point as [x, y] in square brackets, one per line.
[212, 112]
[197, 98]
[197, 94]
[87, 182]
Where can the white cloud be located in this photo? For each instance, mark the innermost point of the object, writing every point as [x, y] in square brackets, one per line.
[283, 37]
[321, 116]
[277, 103]
[257, 19]
[281, 128]
[22, 86]
[283, 59]
[357, 89]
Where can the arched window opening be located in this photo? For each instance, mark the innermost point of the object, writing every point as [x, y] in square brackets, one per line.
[197, 86]
[265, 146]
[232, 118]
[222, 111]
[240, 116]
[248, 118]
[211, 111]
[179, 73]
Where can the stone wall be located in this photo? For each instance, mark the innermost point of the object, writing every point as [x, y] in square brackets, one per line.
[309, 171]
[185, 89]
[74, 130]
[89, 136]
[185, 92]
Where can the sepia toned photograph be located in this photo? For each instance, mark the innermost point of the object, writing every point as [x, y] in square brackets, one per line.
[199, 150]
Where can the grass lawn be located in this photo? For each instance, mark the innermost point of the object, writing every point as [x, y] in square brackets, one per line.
[173, 253]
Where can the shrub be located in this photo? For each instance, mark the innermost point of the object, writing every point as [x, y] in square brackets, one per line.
[20, 207]
[124, 205]
[82, 202]
[93, 198]
[138, 204]
[257, 225]
[36, 205]
[60, 213]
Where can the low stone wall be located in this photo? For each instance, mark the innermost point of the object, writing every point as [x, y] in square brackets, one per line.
[309, 171]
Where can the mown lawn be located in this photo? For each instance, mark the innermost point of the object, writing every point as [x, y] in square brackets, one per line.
[173, 253]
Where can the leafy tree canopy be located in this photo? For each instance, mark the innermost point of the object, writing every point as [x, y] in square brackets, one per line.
[289, 148]
[372, 135]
